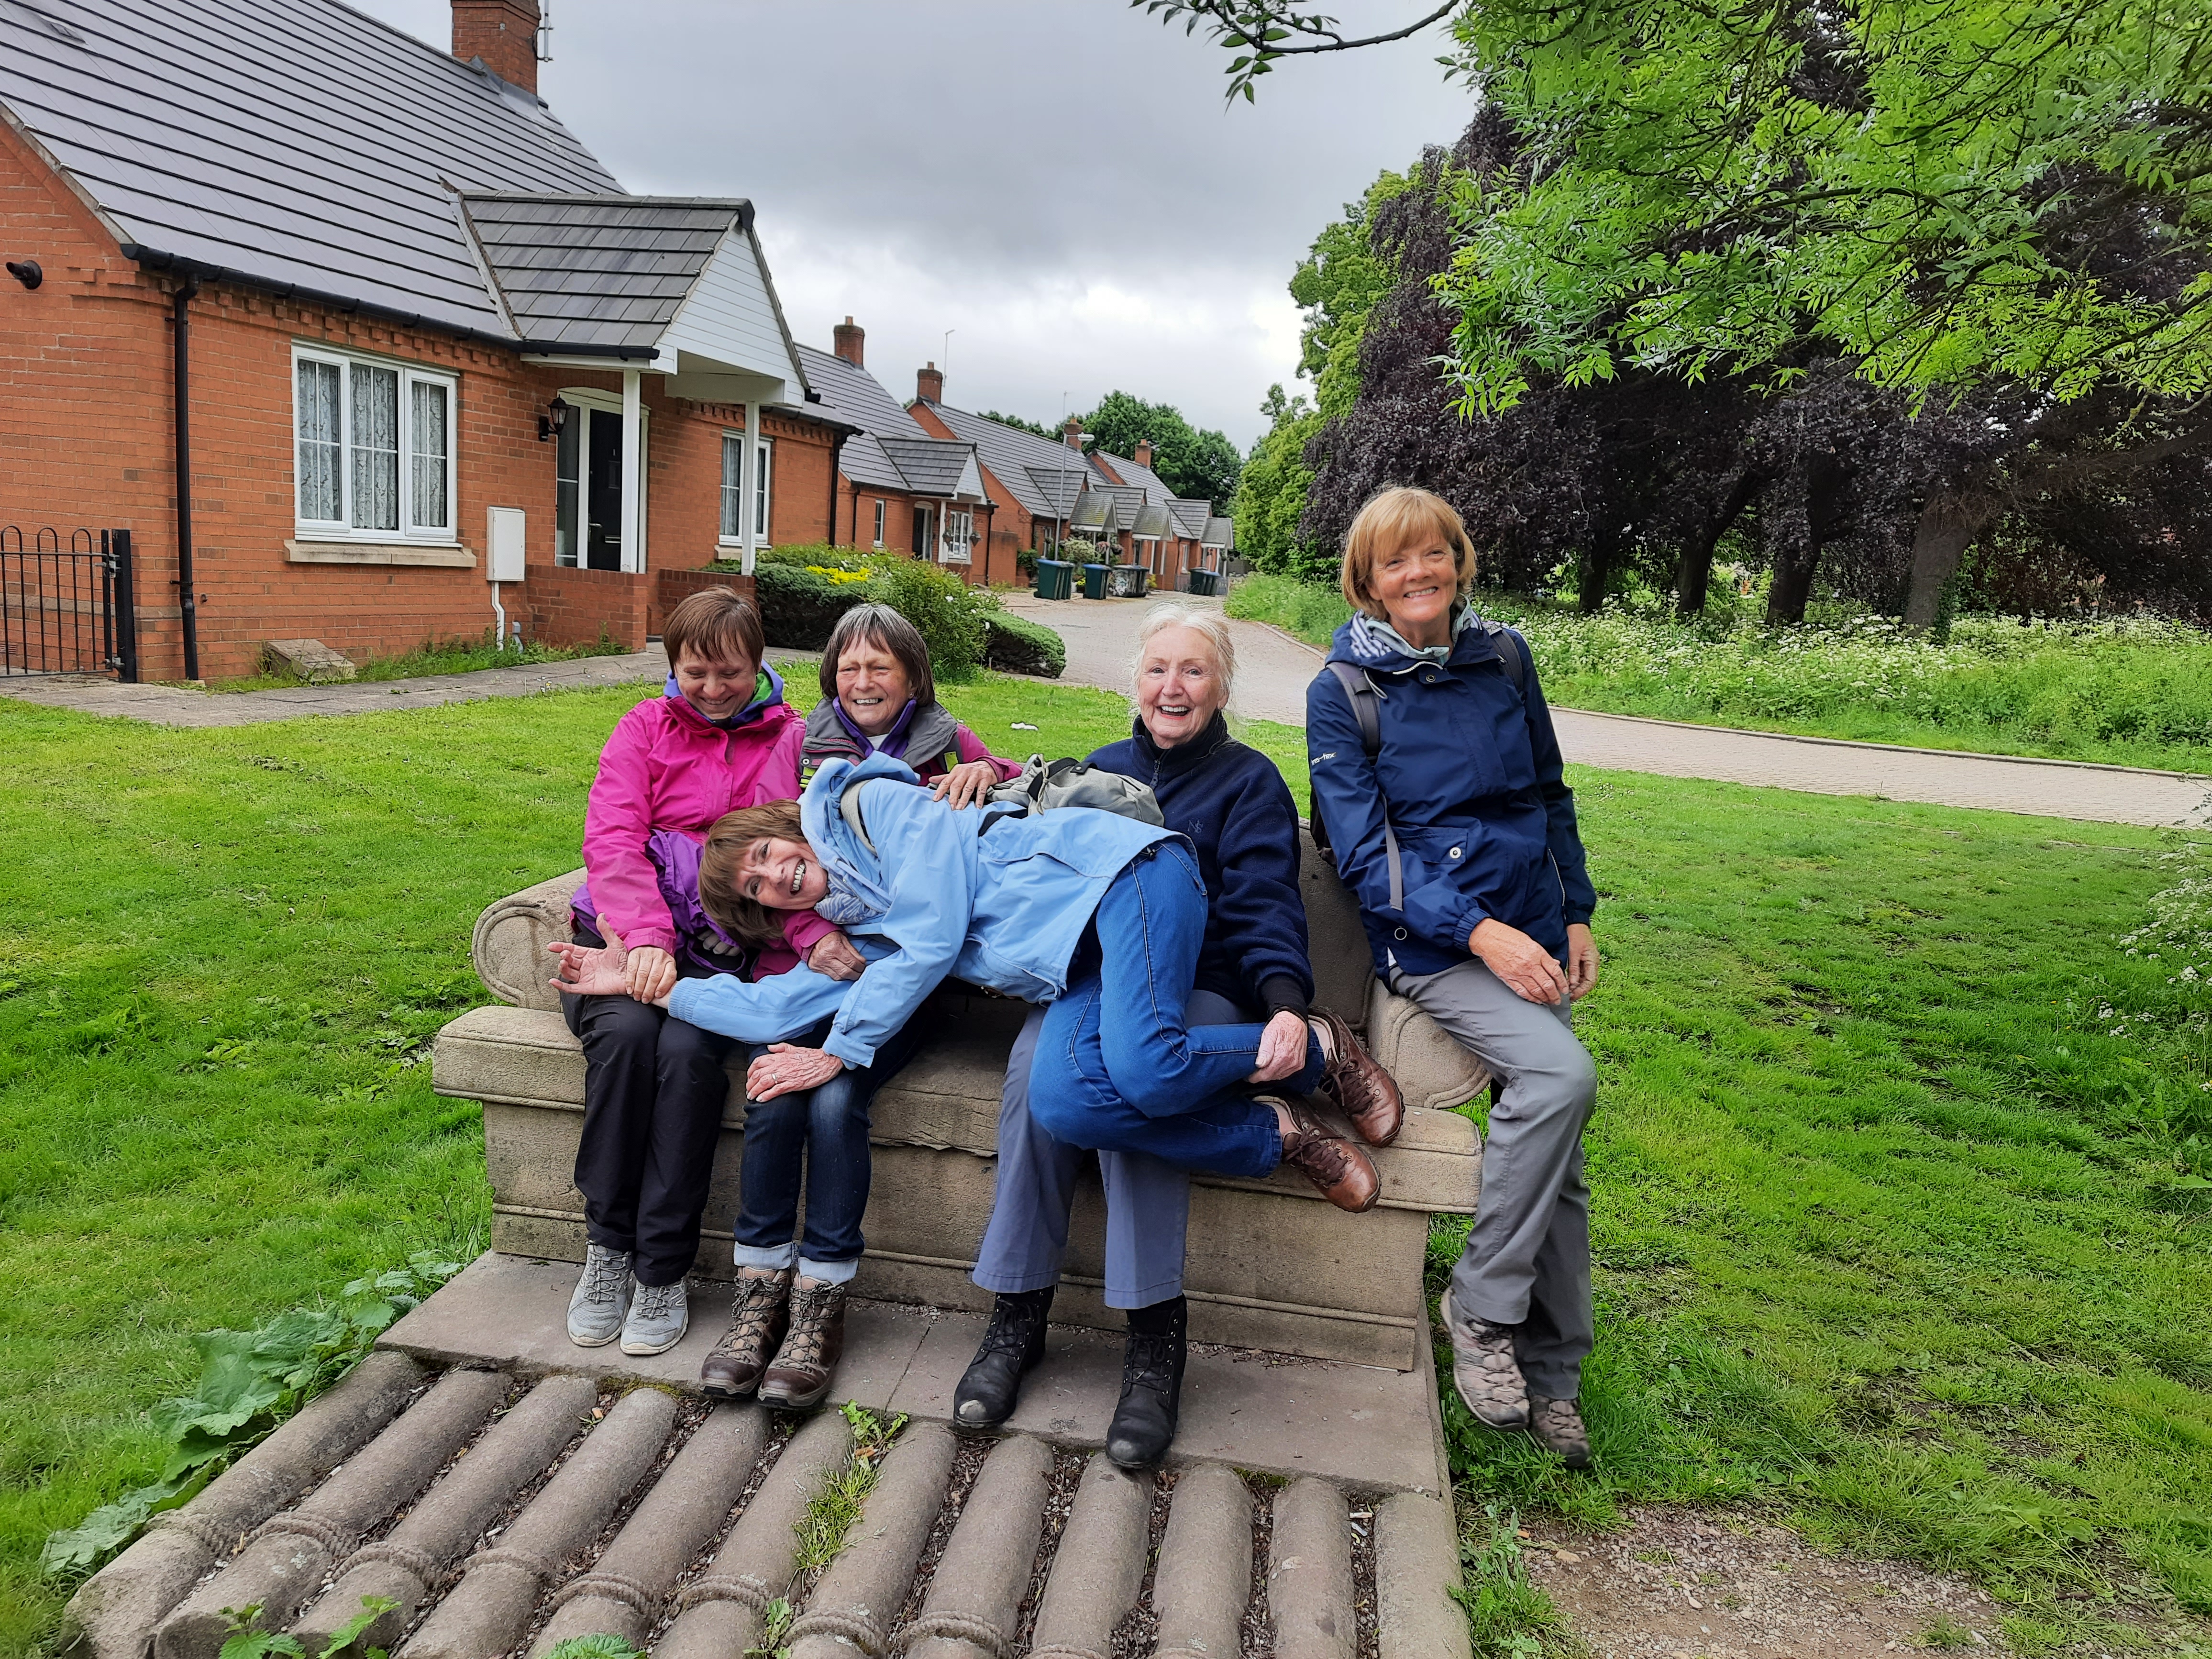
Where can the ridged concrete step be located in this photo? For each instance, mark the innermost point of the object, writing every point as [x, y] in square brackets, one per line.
[505, 1513]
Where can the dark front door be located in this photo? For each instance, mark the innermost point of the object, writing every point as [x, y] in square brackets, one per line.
[603, 545]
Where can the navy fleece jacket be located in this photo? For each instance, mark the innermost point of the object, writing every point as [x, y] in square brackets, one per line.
[1236, 810]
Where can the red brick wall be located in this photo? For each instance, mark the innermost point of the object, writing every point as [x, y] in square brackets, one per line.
[86, 434]
[672, 587]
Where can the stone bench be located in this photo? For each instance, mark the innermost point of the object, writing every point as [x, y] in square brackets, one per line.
[1271, 1264]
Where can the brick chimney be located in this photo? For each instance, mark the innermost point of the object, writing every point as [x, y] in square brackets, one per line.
[504, 33]
[1143, 455]
[1072, 432]
[929, 384]
[849, 340]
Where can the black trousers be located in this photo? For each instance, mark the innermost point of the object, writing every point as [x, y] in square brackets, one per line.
[653, 1092]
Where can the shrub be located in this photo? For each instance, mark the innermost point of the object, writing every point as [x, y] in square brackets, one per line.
[948, 612]
[798, 607]
[1016, 645]
[1307, 609]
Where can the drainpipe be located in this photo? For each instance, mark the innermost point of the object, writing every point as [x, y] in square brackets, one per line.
[187, 601]
[836, 449]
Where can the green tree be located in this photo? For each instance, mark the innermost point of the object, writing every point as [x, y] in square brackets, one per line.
[1191, 462]
[1271, 494]
[1336, 285]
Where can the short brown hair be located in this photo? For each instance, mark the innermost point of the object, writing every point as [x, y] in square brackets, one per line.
[745, 920]
[884, 629]
[718, 623]
[1393, 519]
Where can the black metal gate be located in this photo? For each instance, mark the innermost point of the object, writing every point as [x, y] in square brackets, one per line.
[68, 609]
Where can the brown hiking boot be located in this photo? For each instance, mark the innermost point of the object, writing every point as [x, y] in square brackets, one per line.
[800, 1374]
[1340, 1167]
[1557, 1424]
[1368, 1095]
[757, 1315]
[1486, 1371]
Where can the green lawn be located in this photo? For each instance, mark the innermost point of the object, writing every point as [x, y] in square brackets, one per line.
[2130, 692]
[1894, 1235]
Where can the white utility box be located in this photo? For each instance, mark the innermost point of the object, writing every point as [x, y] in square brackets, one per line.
[503, 544]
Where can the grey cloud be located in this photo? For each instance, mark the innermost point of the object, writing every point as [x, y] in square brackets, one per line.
[981, 165]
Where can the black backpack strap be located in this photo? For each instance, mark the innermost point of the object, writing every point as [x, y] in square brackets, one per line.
[1510, 653]
[1366, 699]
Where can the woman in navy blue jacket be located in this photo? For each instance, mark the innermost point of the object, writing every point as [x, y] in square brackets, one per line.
[1437, 776]
[1233, 805]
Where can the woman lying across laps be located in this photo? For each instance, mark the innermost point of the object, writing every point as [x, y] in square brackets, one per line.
[1232, 804]
[1018, 905]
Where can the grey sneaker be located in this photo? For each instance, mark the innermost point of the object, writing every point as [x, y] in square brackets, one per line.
[1557, 1424]
[1484, 1371]
[601, 1303]
[658, 1319]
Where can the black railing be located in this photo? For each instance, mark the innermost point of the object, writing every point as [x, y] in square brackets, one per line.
[67, 607]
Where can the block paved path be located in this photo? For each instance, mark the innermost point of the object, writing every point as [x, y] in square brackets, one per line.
[1273, 672]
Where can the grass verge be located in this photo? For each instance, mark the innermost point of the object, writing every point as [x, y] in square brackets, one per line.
[459, 656]
[1894, 1216]
[2126, 693]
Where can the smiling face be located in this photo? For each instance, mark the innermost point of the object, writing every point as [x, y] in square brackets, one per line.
[780, 874]
[872, 687]
[716, 688]
[1179, 685]
[1415, 584]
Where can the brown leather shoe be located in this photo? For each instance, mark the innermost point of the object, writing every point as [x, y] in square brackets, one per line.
[799, 1375]
[757, 1316]
[1340, 1167]
[1368, 1094]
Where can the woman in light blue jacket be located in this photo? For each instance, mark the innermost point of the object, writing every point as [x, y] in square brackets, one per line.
[1017, 904]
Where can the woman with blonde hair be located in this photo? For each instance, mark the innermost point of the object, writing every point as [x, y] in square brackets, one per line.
[1437, 778]
[1232, 806]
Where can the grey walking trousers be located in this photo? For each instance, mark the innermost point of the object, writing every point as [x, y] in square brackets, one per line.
[1147, 1201]
[1527, 1263]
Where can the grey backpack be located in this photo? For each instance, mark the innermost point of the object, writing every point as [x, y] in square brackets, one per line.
[1043, 786]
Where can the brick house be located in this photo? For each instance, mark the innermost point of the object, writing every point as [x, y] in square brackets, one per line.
[396, 297]
[898, 485]
[1046, 492]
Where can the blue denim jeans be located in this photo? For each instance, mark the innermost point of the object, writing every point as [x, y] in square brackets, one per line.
[1148, 1202]
[1119, 1067]
[829, 1126]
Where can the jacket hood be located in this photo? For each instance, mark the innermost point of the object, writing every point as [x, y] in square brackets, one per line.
[1366, 647]
[831, 730]
[768, 693]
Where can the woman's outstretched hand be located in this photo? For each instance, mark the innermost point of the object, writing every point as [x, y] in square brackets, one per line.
[606, 970]
[1527, 967]
[1282, 1048]
[966, 783]
[1581, 960]
[835, 955]
[783, 1069]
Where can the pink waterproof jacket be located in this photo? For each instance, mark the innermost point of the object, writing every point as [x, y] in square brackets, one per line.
[667, 766]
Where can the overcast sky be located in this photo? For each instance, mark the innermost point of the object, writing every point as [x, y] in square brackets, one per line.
[1057, 181]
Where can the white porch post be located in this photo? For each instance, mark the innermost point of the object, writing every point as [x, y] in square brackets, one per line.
[751, 486]
[633, 471]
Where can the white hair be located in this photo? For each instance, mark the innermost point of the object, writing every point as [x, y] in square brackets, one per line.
[1201, 619]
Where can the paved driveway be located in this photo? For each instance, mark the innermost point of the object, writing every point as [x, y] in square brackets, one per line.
[1273, 670]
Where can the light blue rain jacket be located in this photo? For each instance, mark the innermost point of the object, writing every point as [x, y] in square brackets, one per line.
[1003, 910]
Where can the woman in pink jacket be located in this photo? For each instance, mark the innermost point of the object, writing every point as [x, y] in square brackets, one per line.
[720, 737]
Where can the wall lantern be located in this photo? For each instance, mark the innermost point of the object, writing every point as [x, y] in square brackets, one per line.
[550, 422]
[26, 272]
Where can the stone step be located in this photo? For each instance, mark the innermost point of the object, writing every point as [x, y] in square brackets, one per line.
[1363, 1427]
[673, 1522]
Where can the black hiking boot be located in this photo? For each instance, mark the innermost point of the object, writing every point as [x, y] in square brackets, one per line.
[1009, 1350]
[1152, 1384]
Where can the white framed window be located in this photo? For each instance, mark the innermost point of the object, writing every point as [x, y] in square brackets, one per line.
[956, 544]
[732, 522]
[373, 447]
[880, 506]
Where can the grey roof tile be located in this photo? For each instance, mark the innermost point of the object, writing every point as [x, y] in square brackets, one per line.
[857, 395]
[303, 143]
[1126, 472]
[1044, 476]
[1190, 517]
[1153, 522]
[604, 270]
[1096, 510]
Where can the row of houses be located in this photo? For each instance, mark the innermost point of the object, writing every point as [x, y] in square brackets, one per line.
[392, 320]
